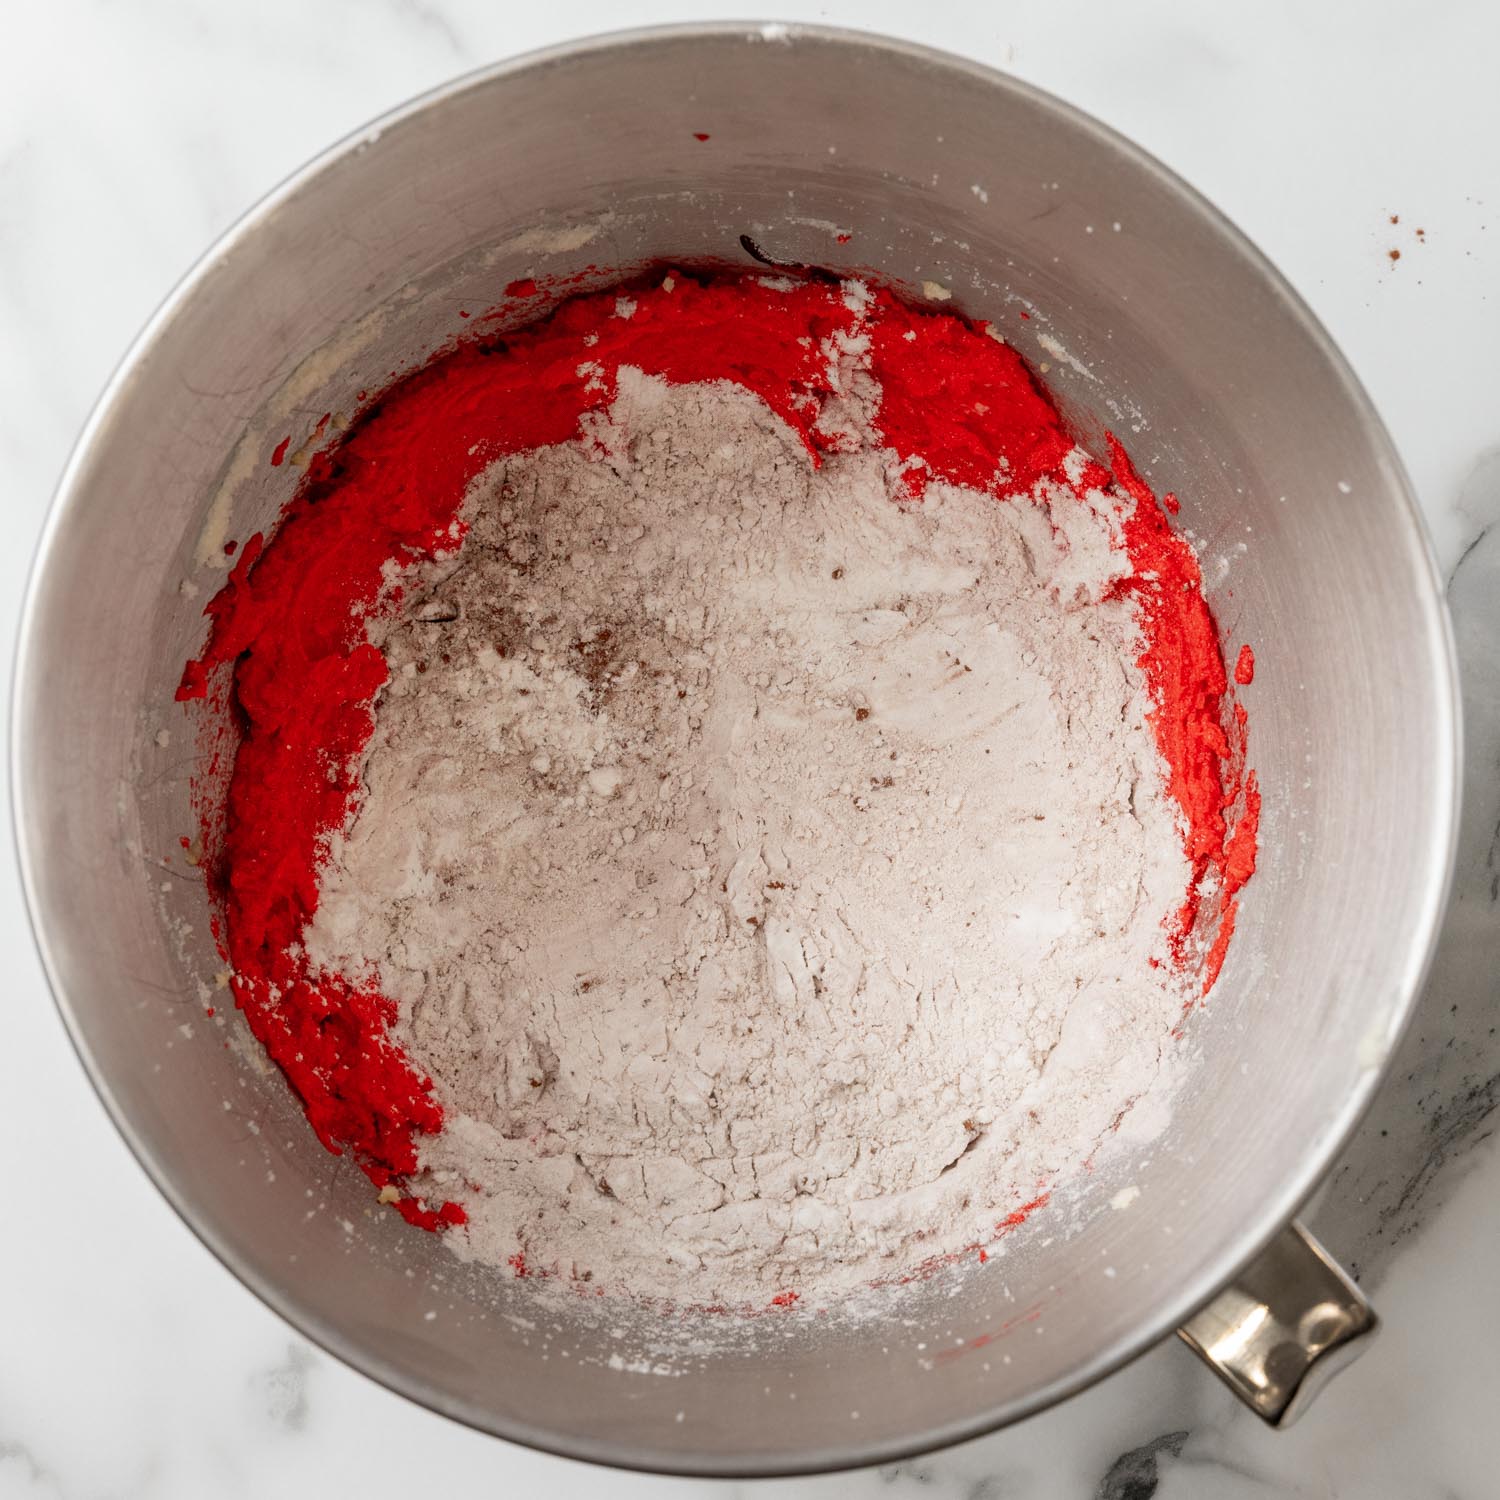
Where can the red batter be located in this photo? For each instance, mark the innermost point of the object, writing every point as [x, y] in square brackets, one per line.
[287, 649]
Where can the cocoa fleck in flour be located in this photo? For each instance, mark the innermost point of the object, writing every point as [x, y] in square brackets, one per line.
[767, 869]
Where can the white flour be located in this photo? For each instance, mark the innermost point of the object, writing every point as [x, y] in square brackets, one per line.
[766, 869]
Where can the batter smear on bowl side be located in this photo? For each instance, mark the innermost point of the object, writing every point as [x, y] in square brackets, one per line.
[732, 802]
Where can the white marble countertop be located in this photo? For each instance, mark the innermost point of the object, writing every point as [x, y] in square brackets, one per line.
[131, 1363]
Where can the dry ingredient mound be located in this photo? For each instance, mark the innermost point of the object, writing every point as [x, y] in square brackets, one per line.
[773, 873]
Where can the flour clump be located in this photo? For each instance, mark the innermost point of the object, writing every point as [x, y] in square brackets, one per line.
[770, 871]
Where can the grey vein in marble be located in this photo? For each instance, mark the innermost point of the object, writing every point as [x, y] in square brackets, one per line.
[284, 1387]
[1134, 1475]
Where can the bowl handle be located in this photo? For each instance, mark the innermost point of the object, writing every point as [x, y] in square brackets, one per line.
[1290, 1320]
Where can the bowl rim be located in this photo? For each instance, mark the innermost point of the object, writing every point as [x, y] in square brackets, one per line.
[1268, 1219]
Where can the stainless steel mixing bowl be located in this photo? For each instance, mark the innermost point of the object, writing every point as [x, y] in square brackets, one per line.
[1154, 318]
